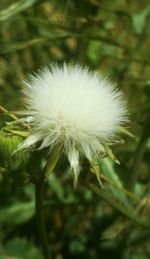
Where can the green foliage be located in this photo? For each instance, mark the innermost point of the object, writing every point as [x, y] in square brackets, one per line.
[110, 36]
[20, 249]
[11, 158]
[120, 207]
[15, 8]
[139, 19]
[17, 213]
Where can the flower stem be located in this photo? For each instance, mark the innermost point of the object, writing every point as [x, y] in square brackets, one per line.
[138, 157]
[40, 216]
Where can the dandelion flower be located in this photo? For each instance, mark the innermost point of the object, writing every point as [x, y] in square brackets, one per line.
[73, 109]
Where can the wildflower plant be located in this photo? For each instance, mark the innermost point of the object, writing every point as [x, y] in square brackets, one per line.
[69, 110]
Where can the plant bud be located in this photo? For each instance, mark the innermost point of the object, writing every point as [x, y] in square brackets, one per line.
[8, 145]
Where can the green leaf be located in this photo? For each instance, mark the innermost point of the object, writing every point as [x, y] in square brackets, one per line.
[108, 175]
[56, 186]
[58, 189]
[126, 132]
[111, 154]
[108, 170]
[129, 213]
[18, 212]
[20, 249]
[93, 50]
[10, 47]
[19, 132]
[52, 161]
[15, 8]
[140, 255]
[113, 230]
[138, 20]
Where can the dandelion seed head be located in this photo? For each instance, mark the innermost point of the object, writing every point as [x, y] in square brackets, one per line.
[75, 108]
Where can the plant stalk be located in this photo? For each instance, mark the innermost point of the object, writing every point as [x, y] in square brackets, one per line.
[138, 157]
[40, 217]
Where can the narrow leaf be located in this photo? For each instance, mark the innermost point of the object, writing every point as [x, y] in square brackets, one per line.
[129, 213]
[15, 8]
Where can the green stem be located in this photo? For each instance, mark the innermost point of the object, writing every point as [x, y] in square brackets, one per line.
[39, 200]
[138, 157]
[40, 217]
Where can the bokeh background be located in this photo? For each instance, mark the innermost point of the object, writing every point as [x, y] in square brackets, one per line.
[112, 37]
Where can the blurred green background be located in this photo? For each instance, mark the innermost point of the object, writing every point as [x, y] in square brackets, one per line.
[112, 37]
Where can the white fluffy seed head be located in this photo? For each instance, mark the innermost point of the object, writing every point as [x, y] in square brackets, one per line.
[74, 108]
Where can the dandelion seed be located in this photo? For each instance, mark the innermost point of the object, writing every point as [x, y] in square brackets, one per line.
[75, 109]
